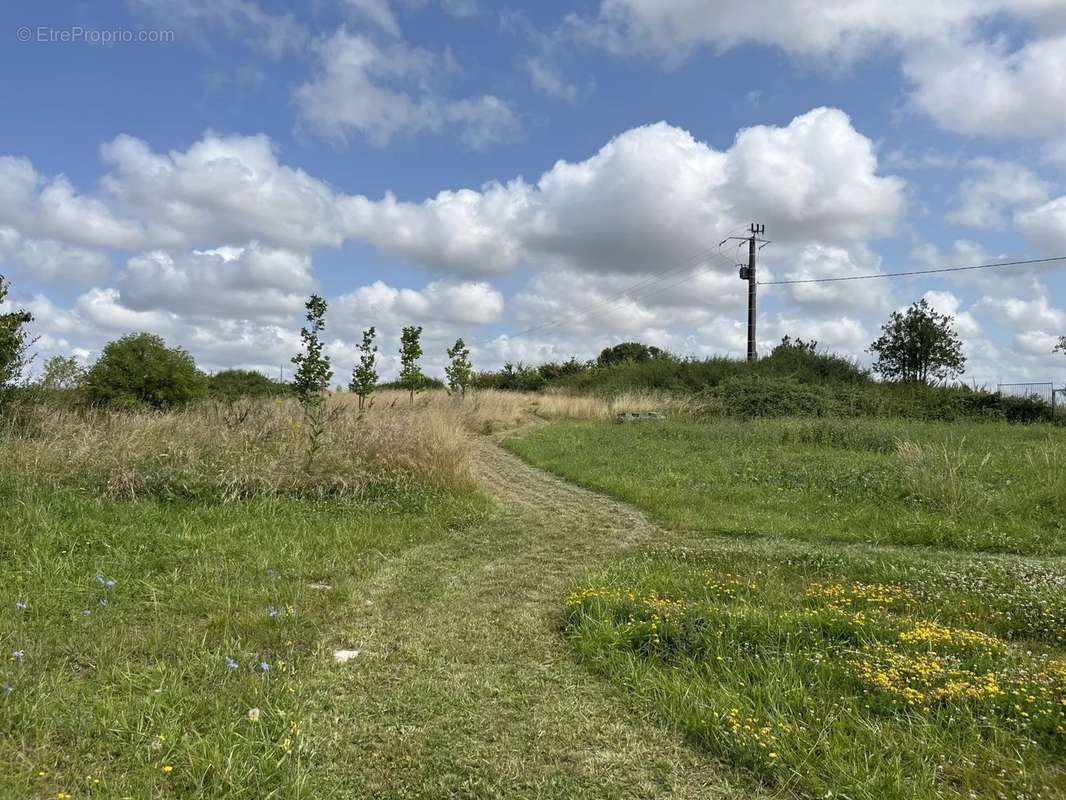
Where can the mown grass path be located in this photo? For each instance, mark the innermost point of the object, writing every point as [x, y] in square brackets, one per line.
[464, 687]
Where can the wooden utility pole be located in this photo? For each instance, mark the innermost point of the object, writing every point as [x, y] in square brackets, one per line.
[752, 291]
[747, 273]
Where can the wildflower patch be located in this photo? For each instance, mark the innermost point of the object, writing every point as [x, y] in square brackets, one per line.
[798, 678]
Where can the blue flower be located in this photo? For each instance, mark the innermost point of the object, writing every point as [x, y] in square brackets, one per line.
[21, 605]
[16, 654]
[264, 666]
[230, 663]
[86, 612]
[110, 584]
[272, 612]
[100, 579]
[271, 573]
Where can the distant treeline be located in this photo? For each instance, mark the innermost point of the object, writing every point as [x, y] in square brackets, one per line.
[795, 379]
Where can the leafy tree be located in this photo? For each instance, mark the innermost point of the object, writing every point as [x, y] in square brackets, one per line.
[365, 376]
[234, 384]
[140, 370]
[411, 377]
[1061, 346]
[459, 371]
[629, 351]
[62, 373]
[313, 374]
[918, 346]
[14, 345]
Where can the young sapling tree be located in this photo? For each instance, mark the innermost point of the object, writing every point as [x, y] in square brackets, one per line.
[365, 375]
[411, 377]
[313, 374]
[459, 370]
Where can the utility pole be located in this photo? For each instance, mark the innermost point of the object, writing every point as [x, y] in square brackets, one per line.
[755, 244]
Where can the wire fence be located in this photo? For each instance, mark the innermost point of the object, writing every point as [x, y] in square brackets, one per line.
[1048, 392]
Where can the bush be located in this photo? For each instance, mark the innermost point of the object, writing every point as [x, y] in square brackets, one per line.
[512, 378]
[755, 396]
[554, 370]
[140, 371]
[629, 351]
[234, 384]
[798, 359]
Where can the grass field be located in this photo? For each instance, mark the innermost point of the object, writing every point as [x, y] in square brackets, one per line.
[964, 486]
[138, 638]
[173, 588]
[829, 665]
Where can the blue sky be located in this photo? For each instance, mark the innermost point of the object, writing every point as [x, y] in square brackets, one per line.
[483, 168]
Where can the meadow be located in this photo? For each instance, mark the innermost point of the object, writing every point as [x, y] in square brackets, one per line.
[172, 584]
[811, 614]
[829, 627]
[964, 486]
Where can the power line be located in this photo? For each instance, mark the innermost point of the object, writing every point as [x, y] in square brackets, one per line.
[916, 272]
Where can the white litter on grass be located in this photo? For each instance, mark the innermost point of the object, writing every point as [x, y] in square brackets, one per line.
[322, 587]
[344, 656]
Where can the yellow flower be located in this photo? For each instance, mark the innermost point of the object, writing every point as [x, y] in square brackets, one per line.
[168, 769]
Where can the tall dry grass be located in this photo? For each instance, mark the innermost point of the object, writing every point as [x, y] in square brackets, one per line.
[490, 411]
[945, 476]
[393, 451]
[235, 452]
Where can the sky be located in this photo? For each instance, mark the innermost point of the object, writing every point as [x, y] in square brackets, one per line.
[542, 179]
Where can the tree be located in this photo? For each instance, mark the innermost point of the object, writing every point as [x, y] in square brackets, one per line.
[14, 345]
[629, 351]
[313, 372]
[62, 373]
[411, 377]
[918, 346]
[1061, 346]
[139, 370]
[459, 371]
[365, 376]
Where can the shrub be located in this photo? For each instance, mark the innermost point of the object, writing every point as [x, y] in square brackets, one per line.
[554, 370]
[139, 370]
[755, 396]
[512, 378]
[629, 351]
[799, 359]
[234, 384]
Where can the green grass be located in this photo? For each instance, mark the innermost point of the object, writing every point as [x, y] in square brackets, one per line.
[977, 487]
[125, 691]
[464, 686]
[843, 675]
